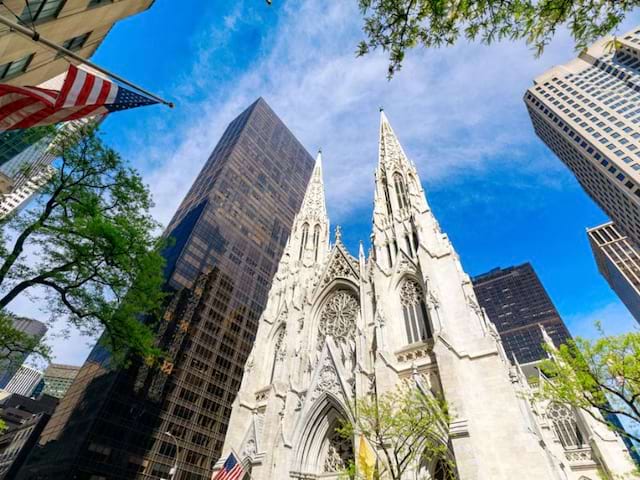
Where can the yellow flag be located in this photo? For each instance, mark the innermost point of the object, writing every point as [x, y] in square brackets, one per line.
[366, 459]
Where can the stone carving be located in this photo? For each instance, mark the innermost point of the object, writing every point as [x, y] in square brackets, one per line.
[410, 293]
[327, 380]
[338, 318]
[339, 267]
[281, 347]
[579, 455]
[313, 207]
[250, 449]
[339, 453]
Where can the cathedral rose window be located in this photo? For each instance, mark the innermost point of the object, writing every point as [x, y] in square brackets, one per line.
[338, 317]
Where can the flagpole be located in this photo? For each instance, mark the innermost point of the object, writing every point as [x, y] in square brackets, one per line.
[35, 36]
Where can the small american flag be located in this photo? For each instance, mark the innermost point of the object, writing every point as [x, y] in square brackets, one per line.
[231, 470]
[83, 94]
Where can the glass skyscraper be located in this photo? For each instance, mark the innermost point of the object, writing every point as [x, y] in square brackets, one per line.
[518, 304]
[228, 235]
[588, 112]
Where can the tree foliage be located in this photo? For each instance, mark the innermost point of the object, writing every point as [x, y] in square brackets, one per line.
[90, 245]
[398, 25]
[15, 344]
[603, 374]
[404, 427]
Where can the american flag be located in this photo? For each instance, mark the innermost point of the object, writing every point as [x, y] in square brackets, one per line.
[83, 94]
[231, 470]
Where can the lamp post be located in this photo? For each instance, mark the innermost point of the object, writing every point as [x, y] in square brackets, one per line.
[174, 469]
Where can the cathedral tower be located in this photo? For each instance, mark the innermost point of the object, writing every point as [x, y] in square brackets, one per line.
[337, 328]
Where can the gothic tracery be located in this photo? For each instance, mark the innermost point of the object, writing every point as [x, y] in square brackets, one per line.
[338, 317]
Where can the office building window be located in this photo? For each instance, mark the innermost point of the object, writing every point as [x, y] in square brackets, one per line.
[16, 67]
[41, 10]
[76, 43]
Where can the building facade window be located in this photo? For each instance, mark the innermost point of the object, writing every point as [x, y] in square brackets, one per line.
[303, 240]
[316, 242]
[401, 191]
[16, 67]
[387, 198]
[76, 43]
[414, 312]
[565, 426]
[41, 10]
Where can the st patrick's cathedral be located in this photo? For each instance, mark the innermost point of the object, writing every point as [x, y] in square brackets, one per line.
[337, 328]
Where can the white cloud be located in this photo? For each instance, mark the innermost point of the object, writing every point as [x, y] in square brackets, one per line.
[456, 109]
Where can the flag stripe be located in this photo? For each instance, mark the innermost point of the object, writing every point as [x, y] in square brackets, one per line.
[85, 90]
[66, 86]
[35, 118]
[16, 106]
[83, 94]
[96, 88]
[78, 83]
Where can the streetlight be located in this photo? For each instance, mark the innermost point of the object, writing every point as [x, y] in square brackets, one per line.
[174, 469]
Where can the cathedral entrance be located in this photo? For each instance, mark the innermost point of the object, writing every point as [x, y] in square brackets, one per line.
[322, 452]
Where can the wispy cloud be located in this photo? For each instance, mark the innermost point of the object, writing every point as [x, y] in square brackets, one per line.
[457, 110]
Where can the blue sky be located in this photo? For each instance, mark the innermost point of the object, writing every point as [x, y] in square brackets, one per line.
[498, 192]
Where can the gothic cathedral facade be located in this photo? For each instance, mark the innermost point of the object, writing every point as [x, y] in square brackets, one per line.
[338, 327]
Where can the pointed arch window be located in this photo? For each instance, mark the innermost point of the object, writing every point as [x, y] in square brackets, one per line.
[279, 352]
[387, 198]
[408, 244]
[565, 426]
[303, 240]
[414, 311]
[401, 191]
[316, 241]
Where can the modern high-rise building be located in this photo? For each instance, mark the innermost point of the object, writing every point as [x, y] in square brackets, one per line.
[228, 236]
[618, 261]
[24, 381]
[57, 379]
[588, 112]
[518, 304]
[11, 365]
[78, 25]
[24, 419]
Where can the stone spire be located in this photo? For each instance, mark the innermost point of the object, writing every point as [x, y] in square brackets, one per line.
[399, 199]
[313, 206]
[391, 156]
[309, 240]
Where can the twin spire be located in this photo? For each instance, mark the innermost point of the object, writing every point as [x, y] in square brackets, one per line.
[393, 172]
[313, 206]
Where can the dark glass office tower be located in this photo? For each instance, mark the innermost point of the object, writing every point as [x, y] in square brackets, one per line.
[517, 303]
[229, 233]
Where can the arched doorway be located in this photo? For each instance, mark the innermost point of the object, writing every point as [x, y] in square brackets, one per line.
[321, 451]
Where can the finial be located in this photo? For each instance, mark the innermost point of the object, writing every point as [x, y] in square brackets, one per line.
[320, 150]
[338, 234]
[381, 108]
